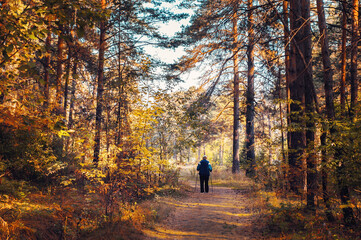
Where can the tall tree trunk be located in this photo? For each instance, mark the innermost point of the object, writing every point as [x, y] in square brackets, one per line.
[72, 54]
[287, 64]
[70, 122]
[297, 95]
[100, 90]
[251, 159]
[221, 150]
[117, 124]
[59, 73]
[72, 94]
[235, 164]
[343, 187]
[327, 67]
[270, 138]
[286, 31]
[284, 173]
[121, 111]
[354, 54]
[324, 174]
[343, 57]
[47, 70]
[107, 135]
[58, 142]
[67, 77]
[330, 109]
[309, 109]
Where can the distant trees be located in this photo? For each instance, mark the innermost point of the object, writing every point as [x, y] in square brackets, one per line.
[217, 34]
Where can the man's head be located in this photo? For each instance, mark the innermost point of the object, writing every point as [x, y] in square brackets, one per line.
[204, 157]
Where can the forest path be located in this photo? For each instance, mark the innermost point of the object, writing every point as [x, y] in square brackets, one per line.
[220, 214]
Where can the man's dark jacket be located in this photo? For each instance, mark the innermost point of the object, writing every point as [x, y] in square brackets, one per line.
[204, 168]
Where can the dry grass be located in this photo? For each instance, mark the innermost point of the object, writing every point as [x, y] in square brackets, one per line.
[287, 217]
[220, 176]
[68, 213]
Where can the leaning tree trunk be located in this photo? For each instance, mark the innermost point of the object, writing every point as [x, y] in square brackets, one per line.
[251, 159]
[100, 90]
[236, 122]
[330, 109]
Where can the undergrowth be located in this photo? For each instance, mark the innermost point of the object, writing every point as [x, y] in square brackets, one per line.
[72, 213]
[289, 218]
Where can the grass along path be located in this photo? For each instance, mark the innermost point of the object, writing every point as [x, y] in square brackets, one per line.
[223, 213]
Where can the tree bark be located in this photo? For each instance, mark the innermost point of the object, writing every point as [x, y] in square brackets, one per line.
[72, 95]
[354, 53]
[330, 109]
[343, 187]
[236, 122]
[287, 64]
[324, 175]
[47, 70]
[286, 40]
[67, 77]
[312, 185]
[70, 123]
[327, 66]
[343, 58]
[100, 90]
[283, 166]
[251, 158]
[297, 95]
[59, 72]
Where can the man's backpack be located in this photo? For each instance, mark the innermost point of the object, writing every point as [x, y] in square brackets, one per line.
[204, 169]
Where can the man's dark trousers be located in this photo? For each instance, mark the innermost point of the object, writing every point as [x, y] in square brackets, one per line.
[204, 182]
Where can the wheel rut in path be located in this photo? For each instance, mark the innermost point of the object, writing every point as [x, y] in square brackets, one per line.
[220, 214]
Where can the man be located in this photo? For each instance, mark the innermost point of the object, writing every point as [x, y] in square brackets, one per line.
[204, 168]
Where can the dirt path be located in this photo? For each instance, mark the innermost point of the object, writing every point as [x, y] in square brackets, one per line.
[221, 214]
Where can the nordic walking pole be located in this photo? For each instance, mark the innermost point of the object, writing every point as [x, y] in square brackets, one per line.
[195, 186]
[211, 183]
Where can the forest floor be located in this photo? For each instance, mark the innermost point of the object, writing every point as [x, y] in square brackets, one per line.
[223, 213]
